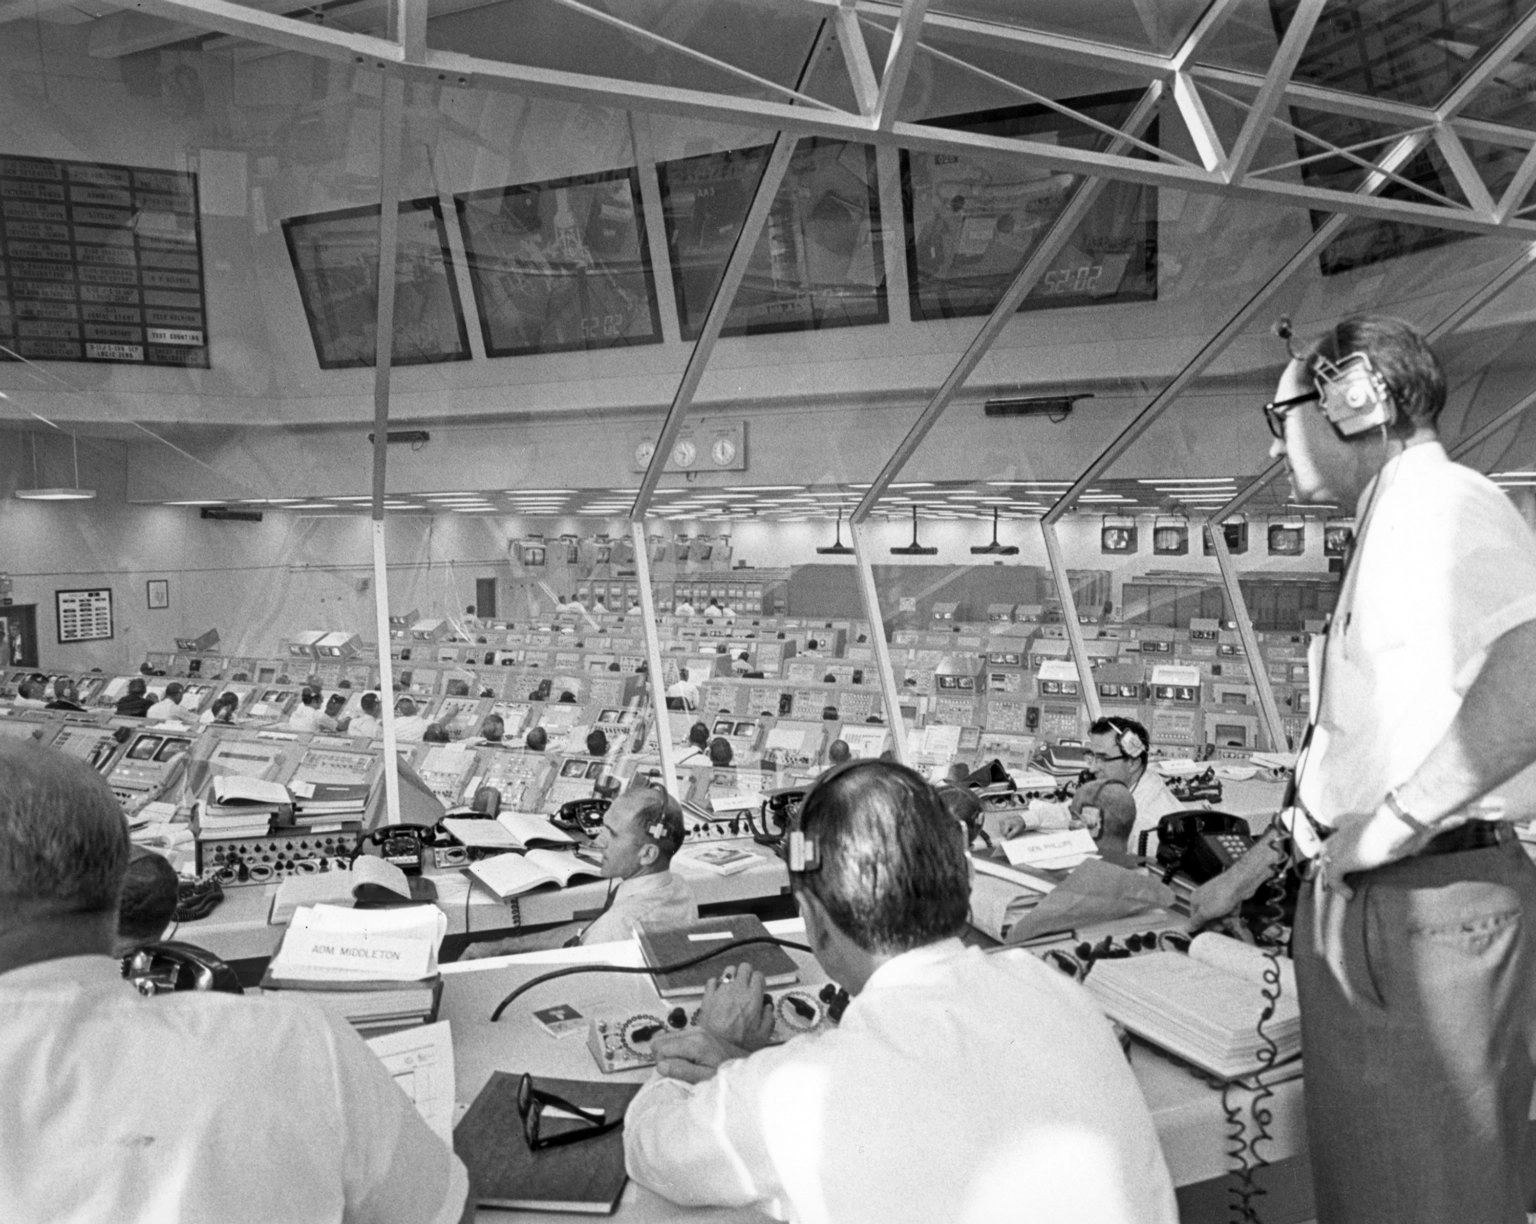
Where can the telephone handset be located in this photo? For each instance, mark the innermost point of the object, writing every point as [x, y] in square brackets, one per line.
[160, 968]
[400, 844]
[1201, 845]
[583, 816]
[772, 821]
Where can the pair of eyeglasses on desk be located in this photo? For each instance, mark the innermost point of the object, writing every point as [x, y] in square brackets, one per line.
[531, 1102]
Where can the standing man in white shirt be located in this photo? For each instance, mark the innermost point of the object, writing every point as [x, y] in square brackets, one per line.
[160, 1091]
[958, 1086]
[1416, 972]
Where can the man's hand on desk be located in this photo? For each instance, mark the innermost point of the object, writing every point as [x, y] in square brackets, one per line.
[692, 1056]
[737, 1009]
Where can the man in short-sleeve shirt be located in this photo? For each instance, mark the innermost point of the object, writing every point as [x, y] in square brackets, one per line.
[190, 1106]
[1416, 972]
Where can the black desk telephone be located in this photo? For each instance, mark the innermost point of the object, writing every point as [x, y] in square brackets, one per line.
[583, 816]
[1200, 845]
[400, 844]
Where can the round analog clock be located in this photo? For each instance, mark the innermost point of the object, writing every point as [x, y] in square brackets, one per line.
[685, 454]
[643, 453]
[723, 452]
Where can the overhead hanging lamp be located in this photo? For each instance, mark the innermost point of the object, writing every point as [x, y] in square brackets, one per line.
[995, 549]
[914, 549]
[61, 493]
[839, 549]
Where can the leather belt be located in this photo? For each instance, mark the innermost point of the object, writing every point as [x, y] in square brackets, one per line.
[1474, 835]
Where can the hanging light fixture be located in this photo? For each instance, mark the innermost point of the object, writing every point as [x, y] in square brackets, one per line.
[71, 493]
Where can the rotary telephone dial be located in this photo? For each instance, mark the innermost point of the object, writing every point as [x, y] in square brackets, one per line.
[584, 816]
[400, 844]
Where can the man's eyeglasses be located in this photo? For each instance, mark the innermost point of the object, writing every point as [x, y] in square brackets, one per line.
[1275, 410]
[1090, 755]
[530, 1104]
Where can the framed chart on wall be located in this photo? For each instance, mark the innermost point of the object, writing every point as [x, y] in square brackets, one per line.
[84, 615]
[336, 260]
[18, 635]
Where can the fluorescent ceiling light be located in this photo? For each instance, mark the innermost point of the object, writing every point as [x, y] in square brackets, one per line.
[69, 493]
[195, 503]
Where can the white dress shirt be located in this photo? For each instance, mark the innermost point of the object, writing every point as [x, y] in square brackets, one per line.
[305, 718]
[1153, 801]
[363, 726]
[196, 1106]
[1444, 567]
[166, 710]
[959, 1087]
[409, 730]
[661, 899]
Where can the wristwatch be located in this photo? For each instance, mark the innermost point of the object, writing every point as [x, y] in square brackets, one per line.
[1397, 809]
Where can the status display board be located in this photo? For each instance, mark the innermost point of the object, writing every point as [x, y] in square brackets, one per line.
[818, 261]
[973, 219]
[84, 616]
[100, 263]
[336, 259]
[560, 265]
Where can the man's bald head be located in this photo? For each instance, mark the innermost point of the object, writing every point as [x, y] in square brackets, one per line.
[63, 839]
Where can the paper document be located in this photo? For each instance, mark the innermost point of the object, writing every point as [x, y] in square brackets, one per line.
[1052, 851]
[421, 1061]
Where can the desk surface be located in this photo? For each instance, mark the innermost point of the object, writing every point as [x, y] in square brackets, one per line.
[238, 928]
[1185, 1108]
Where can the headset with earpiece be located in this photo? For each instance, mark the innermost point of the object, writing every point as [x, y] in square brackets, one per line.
[1127, 740]
[1353, 393]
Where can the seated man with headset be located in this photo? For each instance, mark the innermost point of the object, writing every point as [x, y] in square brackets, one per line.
[641, 832]
[191, 1106]
[1125, 798]
[958, 1086]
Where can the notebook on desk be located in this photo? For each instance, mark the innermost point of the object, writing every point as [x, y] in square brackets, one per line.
[585, 1177]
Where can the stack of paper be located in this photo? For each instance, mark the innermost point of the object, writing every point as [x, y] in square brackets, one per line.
[509, 831]
[239, 806]
[1205, 1007]
[374, 968]
[324, 802]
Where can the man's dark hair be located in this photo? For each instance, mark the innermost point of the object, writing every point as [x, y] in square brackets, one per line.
[537, 740]
[493, 728]
[658, 807]
[1117, 725]
[1412, 372]
[149, 898]
[137, 687]
[720, 751]
[63, 839]
[334, 702]
[567, 698]
[838, 753]
[173, 691]
[405, 708]
[698, 735]
[310, 696]
[597, 742]
[892, 874]
[369, 704]
[434, 734]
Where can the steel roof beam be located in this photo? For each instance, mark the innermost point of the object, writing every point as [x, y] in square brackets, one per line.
[1499, 57]
[1272, 91]
[1040, 259]
[905, 40]
[1229, 331]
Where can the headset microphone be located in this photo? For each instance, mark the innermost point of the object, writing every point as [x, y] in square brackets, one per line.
[1355, 398]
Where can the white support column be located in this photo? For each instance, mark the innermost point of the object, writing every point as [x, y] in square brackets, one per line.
[890, 691]
[1069, 615]
[656, 684]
